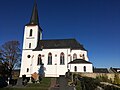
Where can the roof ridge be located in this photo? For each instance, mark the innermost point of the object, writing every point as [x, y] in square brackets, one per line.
[58, 39]
[60, 43]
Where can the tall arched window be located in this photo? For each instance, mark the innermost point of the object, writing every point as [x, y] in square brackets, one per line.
[84, 68]
[50, 59]
[31, 32]
[62, 58]
[39, 60]
[27, 69]
[74, 56]
[75, 68]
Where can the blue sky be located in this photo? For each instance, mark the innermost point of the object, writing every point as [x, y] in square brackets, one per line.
[94, 23]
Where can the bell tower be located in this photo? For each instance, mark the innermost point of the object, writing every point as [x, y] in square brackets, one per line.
[33, 31]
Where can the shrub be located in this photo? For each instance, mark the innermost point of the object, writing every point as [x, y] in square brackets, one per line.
[103, 78]
[116, 79]
[88, 83]
[3, 82]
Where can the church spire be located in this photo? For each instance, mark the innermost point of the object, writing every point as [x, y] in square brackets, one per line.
[34, 18]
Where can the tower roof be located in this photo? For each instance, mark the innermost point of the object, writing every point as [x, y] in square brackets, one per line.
[34, 17]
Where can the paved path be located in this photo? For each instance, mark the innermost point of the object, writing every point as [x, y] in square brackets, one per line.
[53, 83]
[62, 82]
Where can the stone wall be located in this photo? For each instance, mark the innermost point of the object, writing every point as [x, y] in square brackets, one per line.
[94, 75]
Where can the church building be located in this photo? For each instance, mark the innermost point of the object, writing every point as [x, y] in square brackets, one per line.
[57, 56]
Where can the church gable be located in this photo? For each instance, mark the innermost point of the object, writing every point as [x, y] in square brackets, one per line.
[59, 43]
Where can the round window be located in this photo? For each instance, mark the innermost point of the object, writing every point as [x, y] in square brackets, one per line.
[28, 56]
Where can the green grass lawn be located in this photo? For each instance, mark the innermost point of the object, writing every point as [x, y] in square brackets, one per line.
[44, 85]
[28, 88]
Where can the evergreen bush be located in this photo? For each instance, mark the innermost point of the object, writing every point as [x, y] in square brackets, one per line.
[88, 83]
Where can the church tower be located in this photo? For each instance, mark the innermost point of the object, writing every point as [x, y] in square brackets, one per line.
[32, 35]
[33, 32]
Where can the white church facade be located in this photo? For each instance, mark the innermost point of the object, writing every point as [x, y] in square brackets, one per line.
[56, 56]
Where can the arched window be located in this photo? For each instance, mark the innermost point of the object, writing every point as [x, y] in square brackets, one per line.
[62, 57]
[27, 69]
[29, 45]
[84, 68]
[83, 57]
[70, 58]
[39, 60]
[50, 59]
[31, 32]
[75, 68]
[74, 56]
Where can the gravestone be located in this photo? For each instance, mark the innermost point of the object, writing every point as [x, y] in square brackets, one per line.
[19, 82]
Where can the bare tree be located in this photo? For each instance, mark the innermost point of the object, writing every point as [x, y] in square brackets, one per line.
[10, 54]
[3, 66]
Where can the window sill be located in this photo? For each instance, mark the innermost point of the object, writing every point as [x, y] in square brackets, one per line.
[49, 64]
[30, 38]
[62, 64]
